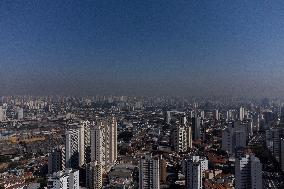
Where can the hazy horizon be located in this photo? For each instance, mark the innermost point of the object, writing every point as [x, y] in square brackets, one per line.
[168, 48]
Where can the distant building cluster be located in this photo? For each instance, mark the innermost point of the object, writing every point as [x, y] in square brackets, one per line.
[141, 142]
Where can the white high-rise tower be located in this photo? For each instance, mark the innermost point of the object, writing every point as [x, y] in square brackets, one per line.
[104, 142]
[84, 142]
[2, 114]
[72, 148]
[69, 178]
[20, 113]
[182, 138]
[242, 113]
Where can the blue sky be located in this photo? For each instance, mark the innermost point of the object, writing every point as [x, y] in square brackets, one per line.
[148, 47]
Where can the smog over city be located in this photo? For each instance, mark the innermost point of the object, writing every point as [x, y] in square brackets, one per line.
[149, 94]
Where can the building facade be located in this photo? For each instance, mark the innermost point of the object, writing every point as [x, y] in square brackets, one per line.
[248, 173]
[94, 175]
[182, 139]
[149, 177]
[69, 178]
[193, 176]
[72, 148]
[56, 160]
[104, 142]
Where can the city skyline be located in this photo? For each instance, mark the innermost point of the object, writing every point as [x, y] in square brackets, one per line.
[135, 142]
[185, 48]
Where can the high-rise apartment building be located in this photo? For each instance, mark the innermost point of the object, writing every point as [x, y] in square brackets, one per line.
[72, 148]
[216, 114]
[111, 140]
[182, 139]
[69, 178]
[242, 113]
[281, 116]
[168, 117]
[203, 163]
[282, 153]
[2, 114]
[94, 175]
[196, 128]
[104, 142]
[20, 113]
[84, 142]
[227, 140]
[193, 173]
[97, 142]
[239, 139]
[268, 119]
[188, 137]
[163, 170]
[234, 137]
[229, 115]
[255, 173]
[149, 177]
[56, 160]
[202, 114]
[176, 115]
[248, 173]
[275, 133]
[183, 120]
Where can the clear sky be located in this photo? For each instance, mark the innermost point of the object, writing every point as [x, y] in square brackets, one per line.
[142, 47]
